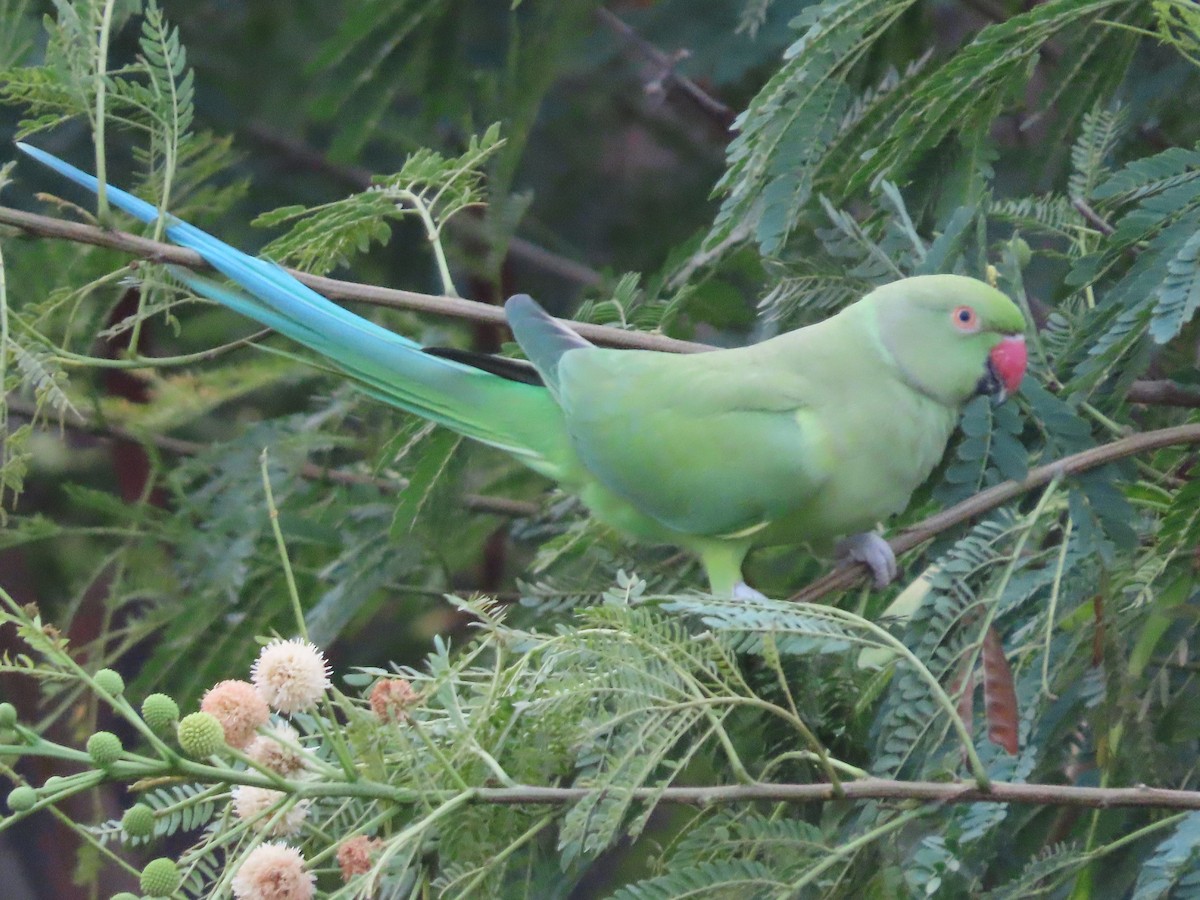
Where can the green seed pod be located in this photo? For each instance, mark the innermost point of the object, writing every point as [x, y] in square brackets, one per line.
[138, 821]
[8, 715]
[160, 711]
[160, 878]
[110, 682]
[1022, 252]
[200, 735]
[22, 798]
[104, 748]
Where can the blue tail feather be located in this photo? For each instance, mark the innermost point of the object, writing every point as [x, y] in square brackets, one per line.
[520, 418]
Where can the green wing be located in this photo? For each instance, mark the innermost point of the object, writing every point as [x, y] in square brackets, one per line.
[712, 444]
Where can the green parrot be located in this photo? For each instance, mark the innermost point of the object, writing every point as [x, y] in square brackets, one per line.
[814, 435]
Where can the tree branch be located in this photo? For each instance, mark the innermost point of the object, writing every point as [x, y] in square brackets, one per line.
[870, 789]
[454, 307]
[985, 501]
[1094, 218]
[1163, 393]
[1156, 392]
[501, 506]
[710, 105]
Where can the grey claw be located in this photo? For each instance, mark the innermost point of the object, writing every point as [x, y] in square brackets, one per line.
[743, 591]
[871, 549]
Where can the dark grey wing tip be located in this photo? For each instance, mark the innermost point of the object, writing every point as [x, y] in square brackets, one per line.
[527, 317]
[521, 303]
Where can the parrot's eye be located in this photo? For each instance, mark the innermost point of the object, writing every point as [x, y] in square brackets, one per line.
[965, 319]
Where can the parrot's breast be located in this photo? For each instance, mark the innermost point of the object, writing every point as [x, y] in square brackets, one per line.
[884, 448]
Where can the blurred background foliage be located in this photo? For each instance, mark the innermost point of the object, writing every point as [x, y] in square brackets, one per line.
[1053, 142]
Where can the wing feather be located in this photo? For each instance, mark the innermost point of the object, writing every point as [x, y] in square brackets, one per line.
[710, 444]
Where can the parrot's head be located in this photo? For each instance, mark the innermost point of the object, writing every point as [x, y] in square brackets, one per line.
[952, 337]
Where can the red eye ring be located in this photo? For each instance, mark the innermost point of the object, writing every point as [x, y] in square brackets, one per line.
[965, 319]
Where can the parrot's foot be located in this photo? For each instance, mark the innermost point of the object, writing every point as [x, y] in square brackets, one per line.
[743, 591]
[873, 550]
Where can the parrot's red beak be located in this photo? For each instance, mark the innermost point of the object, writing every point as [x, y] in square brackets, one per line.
[1005, 368]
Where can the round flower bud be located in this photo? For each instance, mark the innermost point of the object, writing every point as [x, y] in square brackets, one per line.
[392, 698]
[160, 711]
[354, 855]
[124, 895]
[22, 798]
[200, 735]
[110, 682]
[1022, 252]
[8, 715]
[138, 821]
[104, 748]
[239, 708]
[160, 878]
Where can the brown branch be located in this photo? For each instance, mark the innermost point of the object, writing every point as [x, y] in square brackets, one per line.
[1101, 224]
[870, 789]
[985, 501]
[710, 105]
[501, 506]
[1163, 393]
[454, 307]
[1160, 392]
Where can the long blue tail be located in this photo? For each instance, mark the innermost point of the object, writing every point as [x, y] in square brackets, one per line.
[522, 419]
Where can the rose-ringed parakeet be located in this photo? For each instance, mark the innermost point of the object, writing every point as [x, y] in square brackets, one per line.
[810, 436]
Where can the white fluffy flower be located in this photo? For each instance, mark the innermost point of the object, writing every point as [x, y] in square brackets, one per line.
[254, 804]
[273, 750]
[273, 871]
[291, 675]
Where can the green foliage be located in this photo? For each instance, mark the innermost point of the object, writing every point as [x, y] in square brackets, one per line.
[428, 184]
[1178, 24]
[1172, 870]
[1049, 148]
[797, 114]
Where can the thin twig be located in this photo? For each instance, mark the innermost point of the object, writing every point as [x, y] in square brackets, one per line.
[870, 789]
[985, 501]
[501, 506]
[1100, 223]
[47, 226]
[281, 545]
[710, 105]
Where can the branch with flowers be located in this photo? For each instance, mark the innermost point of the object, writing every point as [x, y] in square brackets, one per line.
[452, 776]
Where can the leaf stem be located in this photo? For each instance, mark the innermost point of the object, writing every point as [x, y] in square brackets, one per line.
[273, 514]
[434, 235]
[98, 125]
